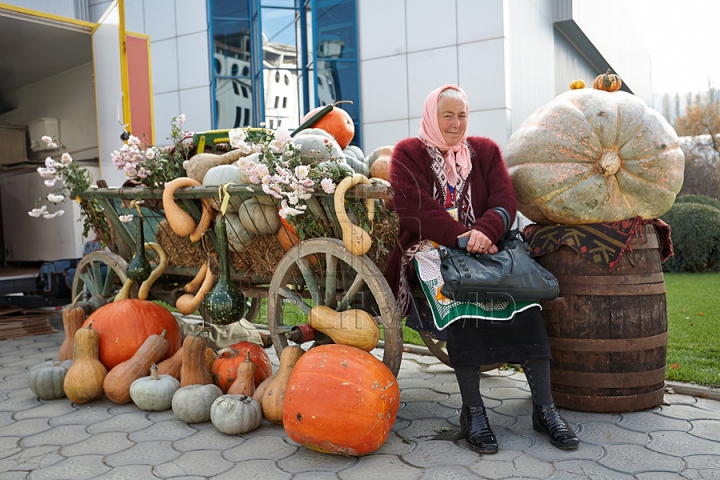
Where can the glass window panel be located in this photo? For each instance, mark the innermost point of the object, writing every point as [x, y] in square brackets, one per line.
[233, 103]
[338, 81]
[335, 29]
[282, 103]
[278, 26]
[231, 48]
[279, 3]
[230, 8]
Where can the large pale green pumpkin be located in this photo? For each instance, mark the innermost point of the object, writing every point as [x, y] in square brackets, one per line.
[592, 156]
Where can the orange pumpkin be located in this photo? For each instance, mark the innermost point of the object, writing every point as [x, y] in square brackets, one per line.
[224, 368]
[124, 326]
[340, 400]
[608, 82]
[337, 123]
[591, 156]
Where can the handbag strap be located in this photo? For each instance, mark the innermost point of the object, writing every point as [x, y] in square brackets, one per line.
[505, 215]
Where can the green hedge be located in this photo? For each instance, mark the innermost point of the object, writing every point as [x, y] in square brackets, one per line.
[702, 199]
[695, 232]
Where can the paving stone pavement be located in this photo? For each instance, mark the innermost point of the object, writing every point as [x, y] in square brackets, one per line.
[57, 439]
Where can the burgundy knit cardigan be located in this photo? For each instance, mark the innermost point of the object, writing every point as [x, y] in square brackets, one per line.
[423, 217]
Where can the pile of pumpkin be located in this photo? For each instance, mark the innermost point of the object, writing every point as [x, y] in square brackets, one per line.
[594, 155]
[131, 351]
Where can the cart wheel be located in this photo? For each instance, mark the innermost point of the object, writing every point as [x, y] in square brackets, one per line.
[296, 281]
[100, 275]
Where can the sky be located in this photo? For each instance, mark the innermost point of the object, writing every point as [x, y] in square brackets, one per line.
[683, 38]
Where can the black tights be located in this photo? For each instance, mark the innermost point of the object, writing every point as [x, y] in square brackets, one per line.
[537, 372]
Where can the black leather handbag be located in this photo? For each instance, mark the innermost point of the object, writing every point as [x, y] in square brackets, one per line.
[509, 274]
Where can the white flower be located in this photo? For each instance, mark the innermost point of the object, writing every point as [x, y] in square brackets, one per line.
[301, 171]
[66, 159]
[133, 140]
[150, 153]
[237, 138]
[49, 162]
[327, 185]
[282, 135]
[46, 172]
[50, 182]
[46, 139]
[37, 212]
[55, 198]
[180, 119]
[126, 218]
[60, 213]
[52, 145]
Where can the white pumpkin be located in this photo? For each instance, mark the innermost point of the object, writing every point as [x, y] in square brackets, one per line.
[259, 219]
[221, 175]
[46, 379]
[192, 403]
[356, 160]
[236, 414]
[238, 236]
[155, 392]
[316, 146]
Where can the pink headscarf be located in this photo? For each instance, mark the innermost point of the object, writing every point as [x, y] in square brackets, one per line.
[430, 134]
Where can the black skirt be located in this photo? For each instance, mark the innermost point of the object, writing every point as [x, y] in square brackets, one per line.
[484, 342]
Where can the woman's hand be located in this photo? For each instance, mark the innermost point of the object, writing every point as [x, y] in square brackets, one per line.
[478, 242]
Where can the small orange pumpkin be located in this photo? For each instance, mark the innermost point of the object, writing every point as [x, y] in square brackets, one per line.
[225, 366]
[337, 123]
[607, 81]
[577, 84]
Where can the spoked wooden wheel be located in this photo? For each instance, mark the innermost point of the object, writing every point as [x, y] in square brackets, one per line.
[100, 275]
[252, 307]
[334, 280]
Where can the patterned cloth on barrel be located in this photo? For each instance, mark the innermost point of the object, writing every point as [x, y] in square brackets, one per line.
[601, 243]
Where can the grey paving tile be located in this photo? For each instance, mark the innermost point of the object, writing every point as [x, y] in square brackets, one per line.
[258, 470]
[390, 466]
[583, 470]
[9, 446]
[30, 426]
[437, 368]
[20, 403]
[202, 463]
[708, 404]
[130, 472]
[127, 422]
[427, 381]
[418, 410]
[427, 360]
[145, 453]
[260, 448]
[123, 408]
[65, 435]
[544, 450]
[681, 444]
[449, 473]
[703, 467]
[6, 418]
[648, 422]
[77, 468]
[209, 436]
[48, 409]
[316, 476]
[513, 407]
[510, 464]
[395, 445]
[83, 415]
[400, 424]
[167, 430]
[678, 399]
[162, 416]
[421, 394]
[425, 429]
[709, 429]
[509, 440]
[32, 458]
[574, 416]
[15, 384]
[306, 460]
[13, 475]
[435, 453]
[609, 434]
[634, 459]
[690, 412]
[100, 444]
[660, 476]
[505, 393]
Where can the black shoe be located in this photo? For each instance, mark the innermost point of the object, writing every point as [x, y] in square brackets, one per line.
[546, 419]
[475, 426]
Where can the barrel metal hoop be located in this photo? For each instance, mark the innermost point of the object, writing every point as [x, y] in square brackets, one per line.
[609, 344]
[610, 404]
[608, 380]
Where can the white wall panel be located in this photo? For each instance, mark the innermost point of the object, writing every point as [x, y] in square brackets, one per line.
[493, 124]
[135, 16]
[161, 19]
[193, 61]
[379, 134]
[191, 17]
[430, 24]
[428, 70]
[480, 20]
[383, 89]
[167, 106]
[483, 73]
[381, 28]
[195, 104]
[165, 70]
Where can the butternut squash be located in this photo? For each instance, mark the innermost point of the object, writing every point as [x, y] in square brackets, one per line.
[171, 366]
[355, 328]
[244, 383]
[194, 370]
[272, 400]
[180, 221]
[356, 240]
[84, 379]
[262, 388]
[195, 283]
[187, 304]
[118, 381]
[73, 317]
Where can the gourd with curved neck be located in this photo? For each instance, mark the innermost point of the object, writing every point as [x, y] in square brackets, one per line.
[225, 303]
[139, 269]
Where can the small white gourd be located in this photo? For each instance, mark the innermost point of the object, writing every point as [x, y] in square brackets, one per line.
[46, 379]
[192, 403]
[236, 414]
[155, 392]
[259, 219]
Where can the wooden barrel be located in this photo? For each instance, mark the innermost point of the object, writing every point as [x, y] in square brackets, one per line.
[608, 331]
